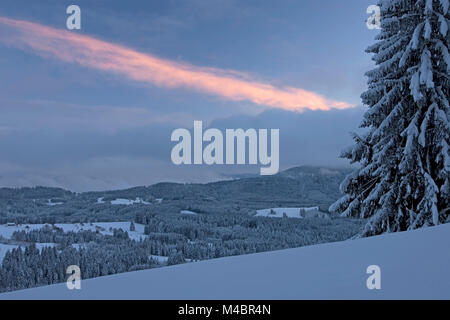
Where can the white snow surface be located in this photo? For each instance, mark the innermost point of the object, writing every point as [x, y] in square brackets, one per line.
[278, 212]
[188, 212]
[50, 203]
[128, 202]
[162, 259]
[103, 227]
[41, 245]
[414, 265]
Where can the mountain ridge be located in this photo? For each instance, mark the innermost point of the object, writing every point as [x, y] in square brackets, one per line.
[302, 186]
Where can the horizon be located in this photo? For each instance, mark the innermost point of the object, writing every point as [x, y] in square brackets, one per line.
[93, 109]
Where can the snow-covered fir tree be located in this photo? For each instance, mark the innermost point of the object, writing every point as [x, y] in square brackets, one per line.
[402, 180]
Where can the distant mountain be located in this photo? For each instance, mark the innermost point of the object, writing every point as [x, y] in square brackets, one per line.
[33, 193]
[300, 186]
[303, 186]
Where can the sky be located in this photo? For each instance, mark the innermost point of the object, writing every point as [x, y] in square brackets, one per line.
[93, 109]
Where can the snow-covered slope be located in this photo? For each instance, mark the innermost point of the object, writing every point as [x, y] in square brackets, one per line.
[280, 212]
[414, 265]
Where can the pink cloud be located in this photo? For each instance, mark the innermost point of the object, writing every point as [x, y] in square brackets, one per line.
[93, 53]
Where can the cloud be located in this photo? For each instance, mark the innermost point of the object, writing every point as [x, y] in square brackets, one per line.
[146, 68]
[69, 156]
[52, 114]
[308, 138]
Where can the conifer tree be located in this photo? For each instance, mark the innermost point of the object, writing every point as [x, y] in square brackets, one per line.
[402, 181]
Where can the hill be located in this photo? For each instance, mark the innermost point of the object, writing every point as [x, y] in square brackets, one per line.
[414, 265]
[296, 187]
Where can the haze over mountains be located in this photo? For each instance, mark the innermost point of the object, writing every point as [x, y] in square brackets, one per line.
[301, 273]
[296, 187]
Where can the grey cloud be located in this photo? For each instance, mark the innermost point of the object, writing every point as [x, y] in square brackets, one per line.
[81, 159]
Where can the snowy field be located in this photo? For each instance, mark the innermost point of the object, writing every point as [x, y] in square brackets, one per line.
[103, 227]
[188, 212]
[279, 212]
[162, 259]
[126, 202]
[414, 265]
[50, 203]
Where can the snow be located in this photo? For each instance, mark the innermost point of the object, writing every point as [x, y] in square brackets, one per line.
[5, 248]
[41, 245]
[428, 6]
[445, 54]
[128, 202]
[79, 246]
[278, 212]
[427, 31]
[443, 25]
[164, 259]
[415, 87]
[102, 227]
[188, 212]
[414, 265]
[426, 69]
[445, 5]
[50, 203]
[161, 259]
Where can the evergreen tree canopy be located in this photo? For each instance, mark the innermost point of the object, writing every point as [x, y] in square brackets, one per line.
[402, 181]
